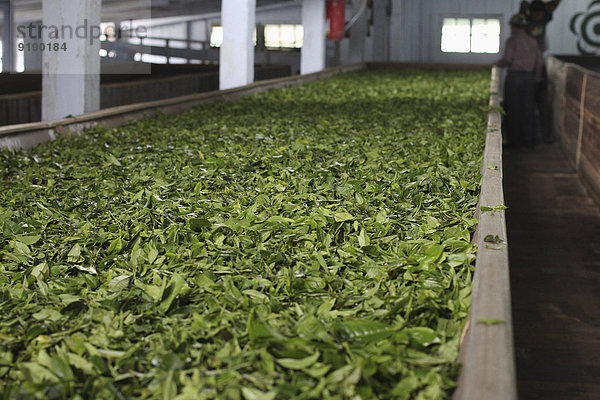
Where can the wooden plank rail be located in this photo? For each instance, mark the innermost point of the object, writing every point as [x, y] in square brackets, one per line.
[576, 106]
[487, 350]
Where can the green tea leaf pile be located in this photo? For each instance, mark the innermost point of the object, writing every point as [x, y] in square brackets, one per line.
[305, 243]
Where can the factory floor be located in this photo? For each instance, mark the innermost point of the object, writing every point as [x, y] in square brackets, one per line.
[554, 245]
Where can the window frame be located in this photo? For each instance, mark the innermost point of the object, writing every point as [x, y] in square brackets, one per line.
[283, 48]
[263, 27]
[437, 55]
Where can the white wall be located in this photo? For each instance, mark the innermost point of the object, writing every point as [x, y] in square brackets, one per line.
[351, 50]
[289, 15]
[560, 38]
[416, 27]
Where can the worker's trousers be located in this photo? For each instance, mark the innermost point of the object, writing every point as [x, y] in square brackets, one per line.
[519, 105]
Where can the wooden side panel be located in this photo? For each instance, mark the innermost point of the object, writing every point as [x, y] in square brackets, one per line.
[570, 134]
[566, 86]
[574, 82]
[590, 176]
[592, 96]
[556, 89]
[590, 143]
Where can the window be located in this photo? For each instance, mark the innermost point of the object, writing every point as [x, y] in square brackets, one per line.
[277, 36]
[20, 57]
[216, 36]
[485, 35]
[477, 35]
[284, 36]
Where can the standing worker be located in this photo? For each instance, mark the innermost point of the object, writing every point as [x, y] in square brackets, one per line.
[523, 58]
[539, 14]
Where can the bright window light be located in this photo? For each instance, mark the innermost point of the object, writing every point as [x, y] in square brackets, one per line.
[287, 35]
[272, 35]
[216, 36]
[154, 59]
[284, 36]
[20, 57]
[109, 31]
[456, 35]
[463, 35]
[178, 44]
[299, 35]
[485, 36]
[177, 60]
[154, 42]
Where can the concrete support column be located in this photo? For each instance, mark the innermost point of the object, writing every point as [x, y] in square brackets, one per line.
[358, 34]
[314, 22]
[189, 36]
[71, 78]
[33, 59]
[236, 64]
[381, 30]
[260, 38]
[397, 48]
[7, 36]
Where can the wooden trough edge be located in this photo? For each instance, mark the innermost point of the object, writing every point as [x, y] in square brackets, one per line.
[25, 136]
[487, 350]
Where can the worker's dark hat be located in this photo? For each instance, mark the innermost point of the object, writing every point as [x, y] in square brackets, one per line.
[537, 5]
[518, 20]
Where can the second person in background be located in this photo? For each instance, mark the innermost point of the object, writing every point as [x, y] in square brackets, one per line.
[524, 61]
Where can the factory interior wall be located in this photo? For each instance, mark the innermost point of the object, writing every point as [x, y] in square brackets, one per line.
[415, 28]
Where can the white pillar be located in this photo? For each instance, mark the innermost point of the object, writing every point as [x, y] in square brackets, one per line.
[314, 22]
[33, 59]
[380, 30]
[398, 51]
[71, 77]
[8, 39]
[358, 34]
[236, 65]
